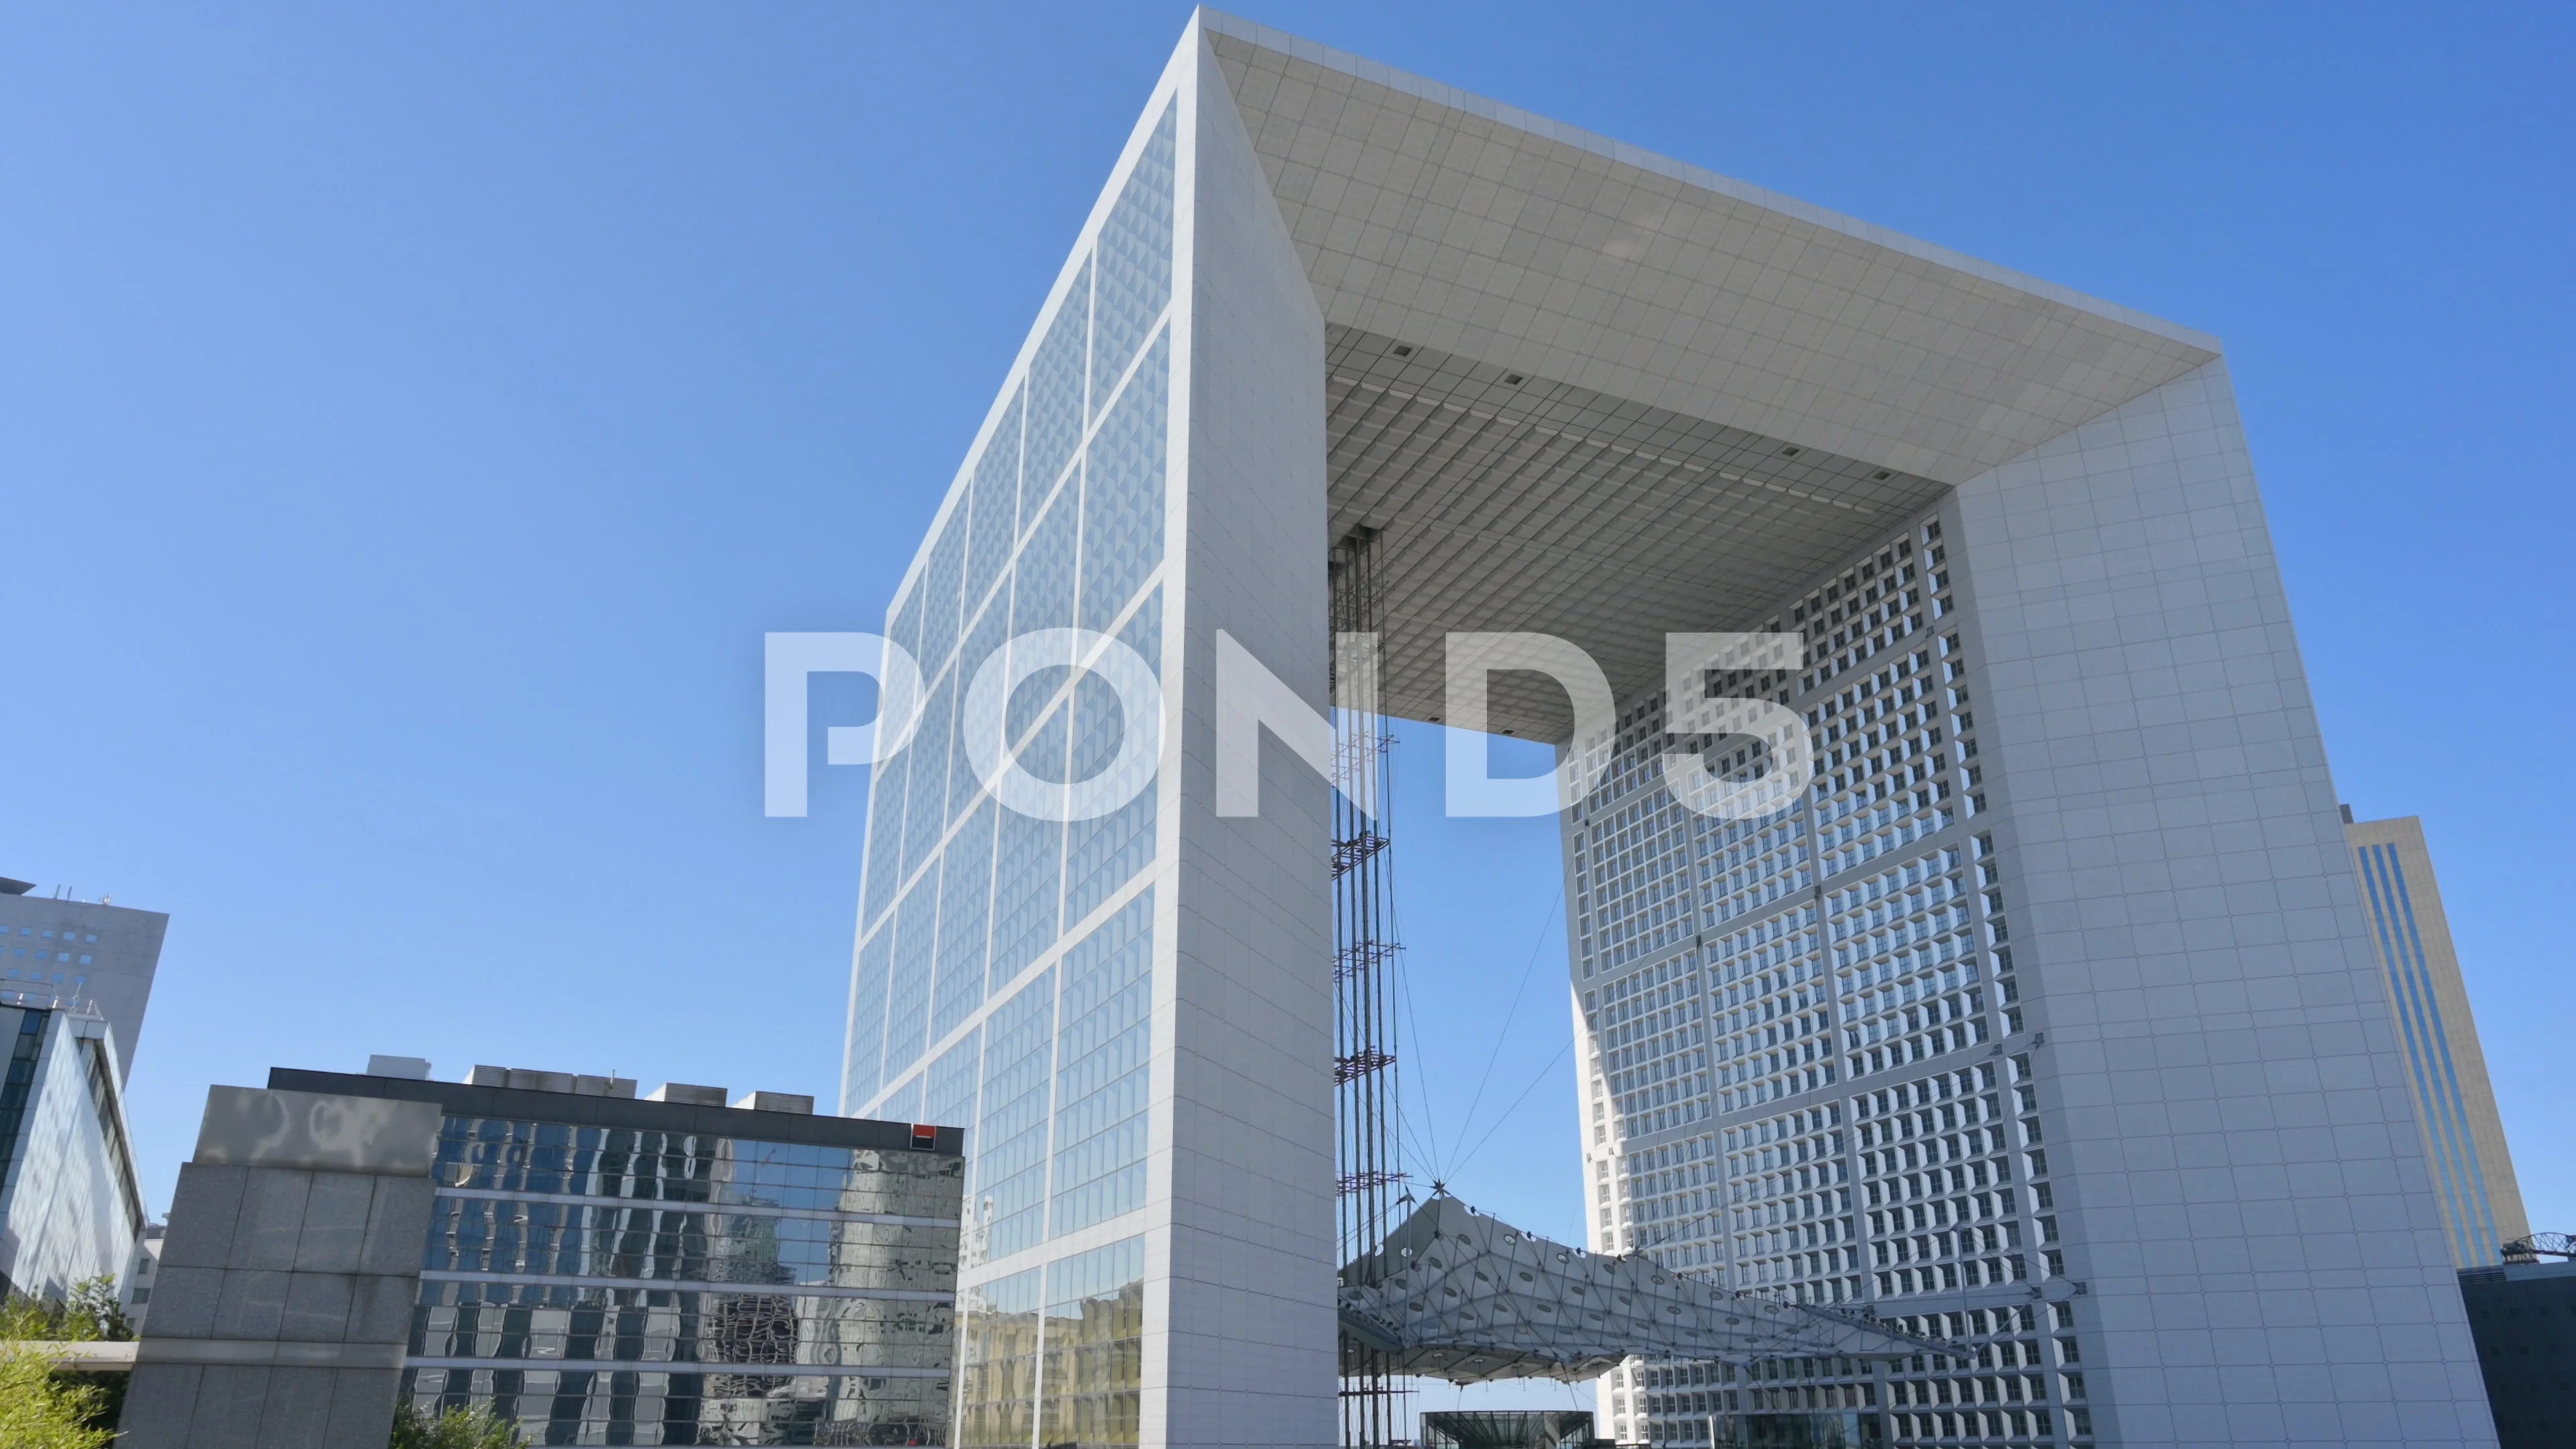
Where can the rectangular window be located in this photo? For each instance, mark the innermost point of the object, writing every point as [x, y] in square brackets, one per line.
[1135, 277]
[1102, 1071]
[948, 1098]
[1095, 1339]
[1008, 1212]
[997, 1361]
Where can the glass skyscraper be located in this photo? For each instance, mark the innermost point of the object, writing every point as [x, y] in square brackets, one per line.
[2048, 1018]
[2473, 1176]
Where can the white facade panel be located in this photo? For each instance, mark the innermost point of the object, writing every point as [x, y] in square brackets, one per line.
[2046, 1023]
[2242, 1181]
[1250, 1353]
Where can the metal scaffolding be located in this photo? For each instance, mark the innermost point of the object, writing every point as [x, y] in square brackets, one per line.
[1371, 1170]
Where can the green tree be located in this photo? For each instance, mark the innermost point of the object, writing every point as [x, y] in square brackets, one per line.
[93, 1305]
[39, 1408]
[455, 1429]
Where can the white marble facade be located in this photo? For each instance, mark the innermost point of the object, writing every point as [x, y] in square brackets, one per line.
[1588, 391]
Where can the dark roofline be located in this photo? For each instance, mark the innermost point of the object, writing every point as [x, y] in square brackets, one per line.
[459, 1099]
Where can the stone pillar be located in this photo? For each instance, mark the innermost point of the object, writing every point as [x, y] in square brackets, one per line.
[288, 1275]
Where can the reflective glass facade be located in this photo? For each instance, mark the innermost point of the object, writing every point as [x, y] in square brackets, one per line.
[1003, 977]
[1093, 1346]
[1057, 1350]
[621, 1285]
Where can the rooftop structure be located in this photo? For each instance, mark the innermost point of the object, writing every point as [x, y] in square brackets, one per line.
[101, 955]
[2524, 1318]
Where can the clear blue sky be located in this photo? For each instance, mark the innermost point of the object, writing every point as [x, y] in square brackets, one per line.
[411, 419]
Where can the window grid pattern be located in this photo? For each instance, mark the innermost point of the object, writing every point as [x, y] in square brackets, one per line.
[1651, 1034]
[2021, 1382]
[1775, 1037]
[1094, 1349]
[1006, 1203]
[1856, 941]
[1936, 1175]
[949, 1088]
[1101, 1073]
[916, 932]
[965, 915]
[997, 1361]
[1135, 252]
[1059, 522]
[1058, 384]
[1789, 1206]
[1907, 963]
[1999, 1392]
[1749, 865]
[1635, 895]
[993, 509]
[668, 1253]
[1104, 854]
[1678, 1398]
[1058, 1347]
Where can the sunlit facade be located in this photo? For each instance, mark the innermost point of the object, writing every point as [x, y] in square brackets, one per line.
[1791, 1031]
[2016, 1027]
[1005, 962]
[71, 1208]
[2473, 1176]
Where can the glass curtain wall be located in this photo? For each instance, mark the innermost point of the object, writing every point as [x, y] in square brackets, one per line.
[1003, 976]
[620, 1286]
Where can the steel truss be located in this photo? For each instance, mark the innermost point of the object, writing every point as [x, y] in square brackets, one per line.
[1370, 1183]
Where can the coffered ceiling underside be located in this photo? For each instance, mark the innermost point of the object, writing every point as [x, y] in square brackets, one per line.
[1511, 503]
[1428, 215]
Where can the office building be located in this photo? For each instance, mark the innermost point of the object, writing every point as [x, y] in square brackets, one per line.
[2454, 1104]
[97, 952]
[70, 1209]
[141, 1272]
[2049, 1015]
[2524, 1317]
[598, 1268]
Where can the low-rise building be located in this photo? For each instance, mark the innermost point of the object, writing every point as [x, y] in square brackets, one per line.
[2523, 1316]
[140, 1274]
[597, 1267]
